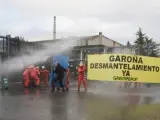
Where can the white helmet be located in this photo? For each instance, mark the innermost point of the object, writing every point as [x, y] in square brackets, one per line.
[43, 67]
[81, 64]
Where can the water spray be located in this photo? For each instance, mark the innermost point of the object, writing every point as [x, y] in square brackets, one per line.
[17, 64]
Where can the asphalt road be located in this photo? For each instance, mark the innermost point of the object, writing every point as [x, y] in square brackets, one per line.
[98, 103]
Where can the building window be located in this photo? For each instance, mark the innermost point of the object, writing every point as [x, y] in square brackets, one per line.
[110, 50]
[75, 54]
[101, 50]
[2, 45]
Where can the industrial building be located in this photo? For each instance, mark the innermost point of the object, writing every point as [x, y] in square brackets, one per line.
[11, 47]
[96, 44]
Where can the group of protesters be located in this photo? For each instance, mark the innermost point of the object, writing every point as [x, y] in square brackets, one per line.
[59, 70]
[34, 74]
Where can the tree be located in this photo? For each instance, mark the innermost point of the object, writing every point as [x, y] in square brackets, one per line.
[145, 45]
[140, 37]
[139, 43]
[151, 48]
[128, 44]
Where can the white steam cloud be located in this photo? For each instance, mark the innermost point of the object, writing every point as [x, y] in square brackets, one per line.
[17, 64]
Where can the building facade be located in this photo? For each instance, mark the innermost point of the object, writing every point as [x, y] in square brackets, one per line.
[97, 44]
[9, 47]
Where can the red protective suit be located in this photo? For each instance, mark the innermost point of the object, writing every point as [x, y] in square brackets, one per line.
[26, 78]
[38, 72]
[81, 77]
[44, 76]
[34, 76]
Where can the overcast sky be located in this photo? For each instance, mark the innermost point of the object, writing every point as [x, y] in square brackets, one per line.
[116, 19]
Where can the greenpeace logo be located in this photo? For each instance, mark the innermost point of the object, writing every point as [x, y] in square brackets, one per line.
[125, 78]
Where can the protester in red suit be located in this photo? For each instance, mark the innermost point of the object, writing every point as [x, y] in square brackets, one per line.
[44, 75]
[34, 76]
[38, 71]
[81, 76]
[67, 79]
[26, 77]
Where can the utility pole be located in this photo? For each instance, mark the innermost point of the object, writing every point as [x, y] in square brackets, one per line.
[54, 28]
[8, 38]
[54, 38]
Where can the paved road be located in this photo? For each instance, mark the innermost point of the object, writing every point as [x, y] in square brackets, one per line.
[97, 104]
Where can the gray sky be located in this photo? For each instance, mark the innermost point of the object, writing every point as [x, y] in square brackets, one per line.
[117, 19]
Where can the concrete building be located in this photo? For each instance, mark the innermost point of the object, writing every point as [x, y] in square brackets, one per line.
[14, 46]
[9, 47]
[96, 44]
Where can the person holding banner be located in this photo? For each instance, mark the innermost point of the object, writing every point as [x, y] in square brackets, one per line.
[81, 76]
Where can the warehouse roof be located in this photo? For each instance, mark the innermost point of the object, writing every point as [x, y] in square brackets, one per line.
[93, 37]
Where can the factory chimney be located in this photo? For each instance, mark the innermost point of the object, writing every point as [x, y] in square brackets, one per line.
[54, 28]
[100, 33]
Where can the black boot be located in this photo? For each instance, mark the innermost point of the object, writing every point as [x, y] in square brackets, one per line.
[67, 89]
[63, 90]
[58, 89]
[53, 90]
[78, 89]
